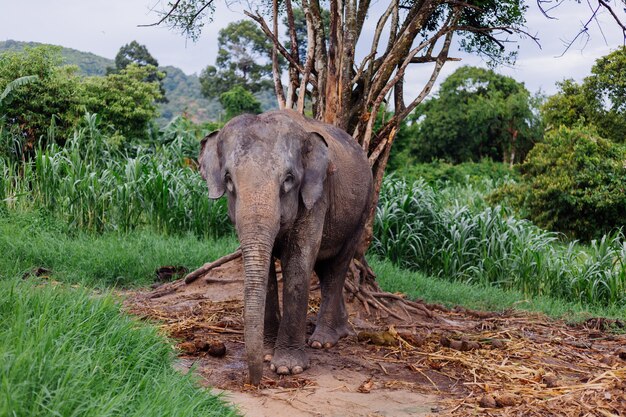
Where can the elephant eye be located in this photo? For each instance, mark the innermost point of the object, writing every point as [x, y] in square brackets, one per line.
[288, 183]
[229, 183]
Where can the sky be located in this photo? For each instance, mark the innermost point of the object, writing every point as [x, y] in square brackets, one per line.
[102, 27]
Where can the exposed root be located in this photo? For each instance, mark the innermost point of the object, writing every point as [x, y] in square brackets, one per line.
[192, 276]
[361, 284]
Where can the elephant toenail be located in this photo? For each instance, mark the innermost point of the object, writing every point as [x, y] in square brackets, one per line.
[273, 367]
[328, 345]
[316, 345]
[268, 358]
[282, 370]
[297, 370]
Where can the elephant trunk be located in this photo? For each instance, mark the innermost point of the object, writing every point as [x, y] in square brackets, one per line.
[257, 227]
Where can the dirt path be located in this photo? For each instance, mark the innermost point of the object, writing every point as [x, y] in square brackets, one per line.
[453, 362]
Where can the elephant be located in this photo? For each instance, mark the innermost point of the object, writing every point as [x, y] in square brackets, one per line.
[298, 190]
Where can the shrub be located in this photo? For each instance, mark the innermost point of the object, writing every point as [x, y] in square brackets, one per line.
[573, 183]
[56, 94]
[125, 100]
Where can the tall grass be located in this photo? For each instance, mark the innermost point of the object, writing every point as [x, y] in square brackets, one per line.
[65, 352]
[93, 186]
[453, 234]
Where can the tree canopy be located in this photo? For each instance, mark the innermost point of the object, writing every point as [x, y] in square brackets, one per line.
[135, 53]
[599, 101]
[476, 114]
[243, 59]
[238, 101]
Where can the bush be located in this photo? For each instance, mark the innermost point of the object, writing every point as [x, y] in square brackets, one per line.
[56, 100]
[125, 100]
[573, 183]
[57, 93]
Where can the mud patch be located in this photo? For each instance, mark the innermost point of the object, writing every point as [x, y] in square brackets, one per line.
[452, 362]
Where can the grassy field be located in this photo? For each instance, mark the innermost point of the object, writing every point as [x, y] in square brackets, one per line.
[66, 352]
[66, 349]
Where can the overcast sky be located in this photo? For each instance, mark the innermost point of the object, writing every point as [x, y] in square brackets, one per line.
[102, 26]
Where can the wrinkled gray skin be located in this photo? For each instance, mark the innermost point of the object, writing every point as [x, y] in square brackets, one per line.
[298, 190]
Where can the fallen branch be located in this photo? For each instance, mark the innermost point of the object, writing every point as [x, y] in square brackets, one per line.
[192, 276]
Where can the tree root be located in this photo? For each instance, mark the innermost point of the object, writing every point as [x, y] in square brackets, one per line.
[361, 284]
[192, 276]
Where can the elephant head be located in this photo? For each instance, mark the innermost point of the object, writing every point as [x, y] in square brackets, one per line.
[271, 169]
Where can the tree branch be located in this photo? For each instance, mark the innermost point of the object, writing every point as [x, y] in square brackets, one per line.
[259, 19]
[278, 85]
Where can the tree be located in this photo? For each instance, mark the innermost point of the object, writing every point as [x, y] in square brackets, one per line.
[135, 53]
[124, 100]
[572, 182]
[243, 58]
[56, 93]
[237, 101]
[349, 94]
[476, 114]
[599, 101]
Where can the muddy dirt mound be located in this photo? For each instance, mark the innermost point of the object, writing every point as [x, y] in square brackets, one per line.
[447, 362]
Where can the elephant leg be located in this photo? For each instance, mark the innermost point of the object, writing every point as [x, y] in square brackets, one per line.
[297, 259]
[272, 314]
[332, 319]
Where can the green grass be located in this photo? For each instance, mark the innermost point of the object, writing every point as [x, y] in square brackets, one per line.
[30, 240]
[479, 297]
[452, 233]
[65, 352]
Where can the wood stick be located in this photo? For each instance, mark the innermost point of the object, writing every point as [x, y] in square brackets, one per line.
[192, 276]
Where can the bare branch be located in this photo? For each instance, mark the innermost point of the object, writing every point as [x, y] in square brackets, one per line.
[293, 72]
[164, 18]
[259, 19]
[278, 85]
[399, 116]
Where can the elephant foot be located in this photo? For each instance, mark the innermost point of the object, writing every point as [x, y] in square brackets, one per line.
[327, 337]
[289, 361]
[268, 352]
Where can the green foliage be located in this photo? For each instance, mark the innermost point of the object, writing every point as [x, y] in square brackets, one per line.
[185, 98]
[66, 352]
[90, 185]
[237, 101]
[135, 53]
[452, 234]
[600, 101]
[439, 173]
[32, 239]
[87, 63]
[243, 59]
[57, 95]
[417, 285]
[124, 100]
[181, 90]
[477, 114]
[573, 183]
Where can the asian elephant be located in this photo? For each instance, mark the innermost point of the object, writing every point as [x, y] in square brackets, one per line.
[298, 190]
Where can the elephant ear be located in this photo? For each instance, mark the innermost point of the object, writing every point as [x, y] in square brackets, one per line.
[210, 166]
[315, 161]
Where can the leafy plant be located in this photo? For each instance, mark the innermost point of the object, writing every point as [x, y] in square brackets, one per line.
[573, 183]
[451, 234]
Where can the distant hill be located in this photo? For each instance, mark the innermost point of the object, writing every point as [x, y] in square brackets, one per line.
[182, 90]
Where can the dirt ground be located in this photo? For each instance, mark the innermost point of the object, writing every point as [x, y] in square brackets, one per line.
[435, 361]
